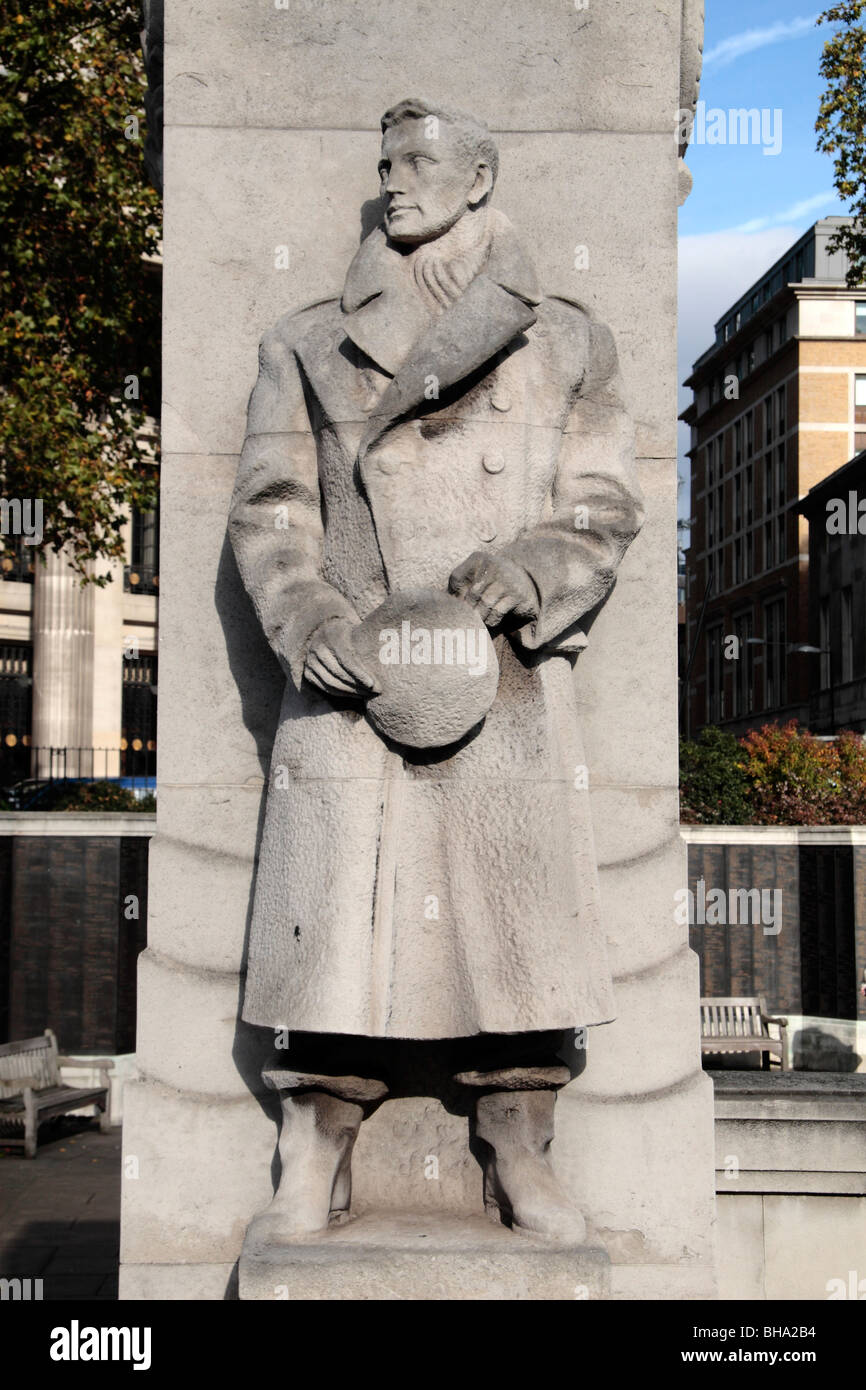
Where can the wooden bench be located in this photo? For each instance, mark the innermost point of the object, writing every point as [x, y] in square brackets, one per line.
[741, 1025]
[31, 1089]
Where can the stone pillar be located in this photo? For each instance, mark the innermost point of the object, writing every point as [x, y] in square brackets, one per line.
[108, 670]
[271, 143]
[62, 669]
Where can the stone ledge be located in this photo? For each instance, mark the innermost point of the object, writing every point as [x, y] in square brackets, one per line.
[409, 1256]
[788, 1084]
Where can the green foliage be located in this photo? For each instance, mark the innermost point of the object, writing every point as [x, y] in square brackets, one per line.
[776, 775]
[713, 785]
[104, 796]
[80, 303]
[841, 125]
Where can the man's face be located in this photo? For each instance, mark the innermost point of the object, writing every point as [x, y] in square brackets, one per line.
[427, 183]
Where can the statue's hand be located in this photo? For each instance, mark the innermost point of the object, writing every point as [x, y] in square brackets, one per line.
[334, 666]
[496, 586]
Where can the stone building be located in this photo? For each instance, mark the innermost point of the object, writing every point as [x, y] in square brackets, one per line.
[78, 665]
[779, 402]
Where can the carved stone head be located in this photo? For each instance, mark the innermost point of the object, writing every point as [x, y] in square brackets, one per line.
[437, 164]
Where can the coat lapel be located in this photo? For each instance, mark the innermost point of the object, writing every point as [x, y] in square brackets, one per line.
[479, 324]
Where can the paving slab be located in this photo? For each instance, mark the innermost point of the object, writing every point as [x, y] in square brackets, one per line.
[60, 1212]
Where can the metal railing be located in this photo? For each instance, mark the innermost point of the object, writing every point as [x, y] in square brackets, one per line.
[20, 761]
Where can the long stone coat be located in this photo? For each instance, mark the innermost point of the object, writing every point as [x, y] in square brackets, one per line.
[453, 893]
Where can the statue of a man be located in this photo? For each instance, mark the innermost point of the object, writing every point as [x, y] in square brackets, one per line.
[441, 426]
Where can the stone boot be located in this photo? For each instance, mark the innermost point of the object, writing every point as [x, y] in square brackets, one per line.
[520, 1186]
[320, 1123]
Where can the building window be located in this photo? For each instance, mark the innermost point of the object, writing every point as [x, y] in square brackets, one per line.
[738, 501]
[768, 420]
[860, 318]
[711, 519]
[715, 699]
[824, 642]
[781, 480]
[141, 576]
[780, 410]
[708, 455]
[847, 672]
[16, 710]
[738, 560]
[750, 434]
[769, 546]
[744, 667]
[138, 715]
[738, 443]
[781, 539]
[16, 560]
[860, 412]
[774, 654]
[750, 491]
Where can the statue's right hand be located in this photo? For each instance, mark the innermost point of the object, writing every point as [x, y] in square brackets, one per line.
[333, 664]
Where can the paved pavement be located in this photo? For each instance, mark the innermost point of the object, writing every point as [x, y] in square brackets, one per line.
[60, 1211]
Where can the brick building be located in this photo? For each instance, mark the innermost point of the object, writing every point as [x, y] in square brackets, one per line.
[837, 596]
[779, 403]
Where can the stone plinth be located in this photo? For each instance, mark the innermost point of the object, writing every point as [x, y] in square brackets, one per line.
[410, 1256]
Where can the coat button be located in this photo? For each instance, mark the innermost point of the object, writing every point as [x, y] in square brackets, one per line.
[494, 461]
[389, 464]
[500, 399]
[487, 529]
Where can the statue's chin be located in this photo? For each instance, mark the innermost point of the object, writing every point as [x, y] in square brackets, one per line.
[407, 236]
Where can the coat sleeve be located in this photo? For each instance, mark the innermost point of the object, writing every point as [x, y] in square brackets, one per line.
[596, 505]
[275, 519]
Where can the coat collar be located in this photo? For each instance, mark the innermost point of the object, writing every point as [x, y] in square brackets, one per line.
[388, 320]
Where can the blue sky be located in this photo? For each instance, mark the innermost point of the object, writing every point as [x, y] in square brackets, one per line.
[747, 207]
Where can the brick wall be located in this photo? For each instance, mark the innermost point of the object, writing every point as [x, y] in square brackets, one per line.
[70, 946]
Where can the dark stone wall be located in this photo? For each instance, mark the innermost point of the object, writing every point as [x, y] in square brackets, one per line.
[814, 964]
[71, 946]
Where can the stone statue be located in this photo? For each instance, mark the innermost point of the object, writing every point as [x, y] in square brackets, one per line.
[436, 488]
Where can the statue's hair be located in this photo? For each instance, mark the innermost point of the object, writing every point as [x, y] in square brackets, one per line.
[474, 139]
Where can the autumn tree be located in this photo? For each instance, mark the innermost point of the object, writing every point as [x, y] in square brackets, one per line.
[80, 280]
[841, 125]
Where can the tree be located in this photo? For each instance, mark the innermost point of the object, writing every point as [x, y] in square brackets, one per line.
[841, 125]
[714, 789]
[79, 342]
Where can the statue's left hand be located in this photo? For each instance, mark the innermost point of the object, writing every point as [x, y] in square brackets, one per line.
[496, 586]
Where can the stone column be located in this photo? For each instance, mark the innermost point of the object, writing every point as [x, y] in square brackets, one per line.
[272, 131]
[62, 670]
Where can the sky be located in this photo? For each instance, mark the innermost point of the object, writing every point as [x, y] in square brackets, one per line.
[747, 207]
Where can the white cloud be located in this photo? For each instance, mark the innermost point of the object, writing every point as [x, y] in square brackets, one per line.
[728, 50]
[793, 214]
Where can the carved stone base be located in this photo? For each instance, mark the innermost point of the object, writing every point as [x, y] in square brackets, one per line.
[412, 1256]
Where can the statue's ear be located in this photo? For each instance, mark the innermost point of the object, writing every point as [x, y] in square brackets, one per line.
[483, 185]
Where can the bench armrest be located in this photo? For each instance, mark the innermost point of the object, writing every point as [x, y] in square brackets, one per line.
[770, 1018]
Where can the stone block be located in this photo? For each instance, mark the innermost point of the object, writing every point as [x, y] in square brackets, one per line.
[309, 66]
[399, 1256]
